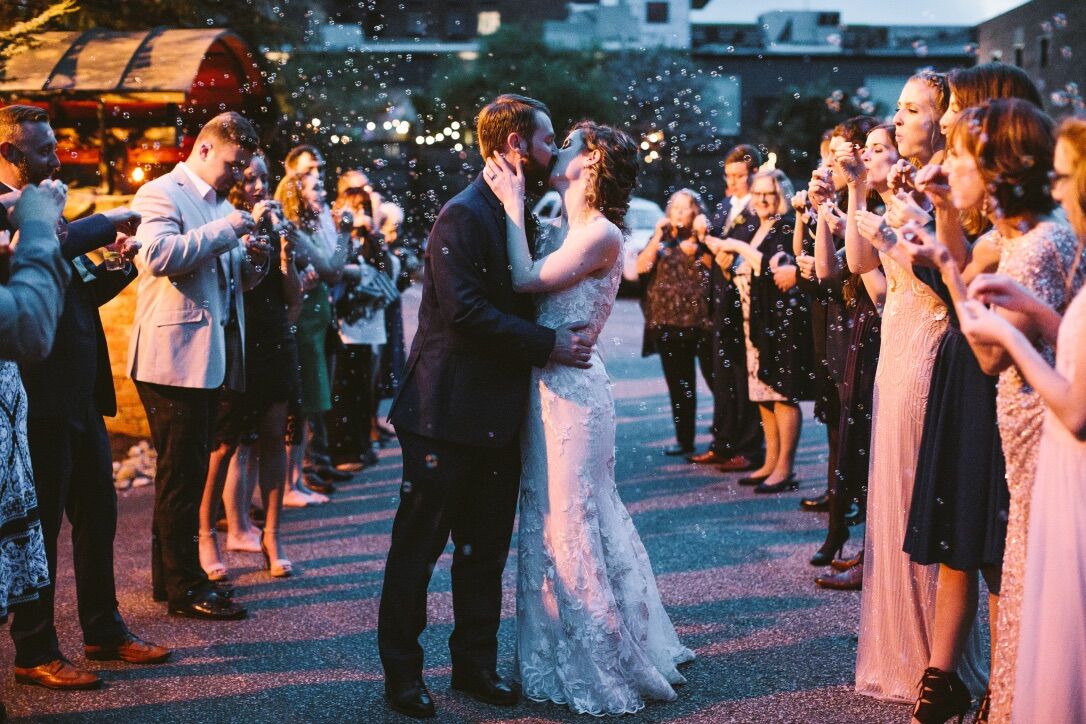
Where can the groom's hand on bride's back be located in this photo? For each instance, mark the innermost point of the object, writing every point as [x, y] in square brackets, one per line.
[573, 346]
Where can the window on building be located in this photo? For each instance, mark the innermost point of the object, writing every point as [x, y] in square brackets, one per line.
[829, 20]
[656, 12]
[1019, 52]
[1044, 52]
[489, 22]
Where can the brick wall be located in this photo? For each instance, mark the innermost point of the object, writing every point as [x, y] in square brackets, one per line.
[117, 321]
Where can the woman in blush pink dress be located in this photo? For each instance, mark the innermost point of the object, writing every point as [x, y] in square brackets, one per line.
[898, 603]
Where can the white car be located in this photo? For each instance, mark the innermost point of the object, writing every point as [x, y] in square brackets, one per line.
[640, 219]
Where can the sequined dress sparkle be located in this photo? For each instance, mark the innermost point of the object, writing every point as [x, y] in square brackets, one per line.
[1038, 260]
[592, 632]
[898, 601]
[23, 567]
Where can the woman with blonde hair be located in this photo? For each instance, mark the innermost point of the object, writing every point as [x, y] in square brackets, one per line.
[898, 601]
[777, 329]
[301, 198]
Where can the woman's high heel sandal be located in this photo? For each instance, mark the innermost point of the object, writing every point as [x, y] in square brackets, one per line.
[277, 568]
[943, 696]
[214, 571]
[831, 549]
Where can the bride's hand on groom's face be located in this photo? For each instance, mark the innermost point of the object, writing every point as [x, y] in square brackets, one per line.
[506, 180]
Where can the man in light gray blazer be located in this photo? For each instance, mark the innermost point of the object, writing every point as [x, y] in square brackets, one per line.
[186, 342]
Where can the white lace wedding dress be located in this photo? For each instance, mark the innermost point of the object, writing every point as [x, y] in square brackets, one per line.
[591, 630]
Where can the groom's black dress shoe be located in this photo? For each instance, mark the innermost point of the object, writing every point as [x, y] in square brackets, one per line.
[486, 686]
[410, 698]
[676, 450]
[817, 504]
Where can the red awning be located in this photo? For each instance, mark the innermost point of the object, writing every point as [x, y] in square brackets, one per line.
[163, 62]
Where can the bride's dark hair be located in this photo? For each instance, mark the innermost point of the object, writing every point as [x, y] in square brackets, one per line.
[615, 175]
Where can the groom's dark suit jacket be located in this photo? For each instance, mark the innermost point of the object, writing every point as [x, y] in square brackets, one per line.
[468, 372]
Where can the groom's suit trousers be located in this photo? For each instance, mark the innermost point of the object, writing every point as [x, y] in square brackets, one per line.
[470, 492]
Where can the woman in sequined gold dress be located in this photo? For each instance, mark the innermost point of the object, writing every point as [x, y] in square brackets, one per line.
[1000, 156]
[898, 603]
[1052, 634]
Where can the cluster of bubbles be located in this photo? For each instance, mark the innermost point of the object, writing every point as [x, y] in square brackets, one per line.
[860, 101]
[1068, 97]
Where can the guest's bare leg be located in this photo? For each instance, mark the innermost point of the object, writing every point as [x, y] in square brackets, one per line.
[236, 496]
[788, 419]
[273, 469]
[772, 440]
[956, 600]
[219, 463]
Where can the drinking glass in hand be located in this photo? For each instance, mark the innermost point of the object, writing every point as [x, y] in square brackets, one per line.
[113, 254]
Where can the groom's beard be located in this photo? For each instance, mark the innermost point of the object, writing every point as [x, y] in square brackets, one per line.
[537, 175]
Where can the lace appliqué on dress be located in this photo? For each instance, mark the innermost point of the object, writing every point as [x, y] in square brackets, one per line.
[592, 632]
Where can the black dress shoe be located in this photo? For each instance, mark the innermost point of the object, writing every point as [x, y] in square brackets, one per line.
[223, 588]
[486, 686]
[210, 605]
[410, 698]
[789, 483]
[318, 485]
[753, 480]
[676, 450]
[330, 474]
[817, 504]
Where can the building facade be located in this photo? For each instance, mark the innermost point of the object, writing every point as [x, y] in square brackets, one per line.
[1047, 39]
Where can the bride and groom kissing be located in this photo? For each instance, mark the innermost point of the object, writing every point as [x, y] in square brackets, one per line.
[505, 396]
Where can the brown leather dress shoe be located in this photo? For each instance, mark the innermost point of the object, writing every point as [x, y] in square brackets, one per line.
[737, 463]
[850, 580]
[131, 648]
[706, 458]
[844, 565]
[58, 674]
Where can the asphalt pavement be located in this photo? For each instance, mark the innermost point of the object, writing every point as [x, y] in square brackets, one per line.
[732, 569]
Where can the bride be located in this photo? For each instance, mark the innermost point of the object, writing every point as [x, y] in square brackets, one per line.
[591, 630]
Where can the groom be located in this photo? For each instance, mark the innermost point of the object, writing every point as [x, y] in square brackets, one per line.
[458, 418]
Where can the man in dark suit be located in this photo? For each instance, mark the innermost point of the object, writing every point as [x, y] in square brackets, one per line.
[738, 442]
[458, 417]
[68, 392]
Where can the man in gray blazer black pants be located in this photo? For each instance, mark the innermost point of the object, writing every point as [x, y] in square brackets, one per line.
[187, 342]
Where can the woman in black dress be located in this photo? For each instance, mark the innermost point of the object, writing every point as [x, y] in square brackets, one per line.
[777, 327]
[860, 295]
[255, 420]
[678, 323]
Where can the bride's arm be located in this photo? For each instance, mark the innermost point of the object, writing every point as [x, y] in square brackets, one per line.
[584, 251]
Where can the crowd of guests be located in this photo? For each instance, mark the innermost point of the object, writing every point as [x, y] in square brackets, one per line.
[924, 292]
[267, 331]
